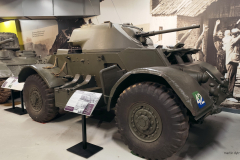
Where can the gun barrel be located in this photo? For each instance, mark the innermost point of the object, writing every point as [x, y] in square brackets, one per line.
[152, 33]
[6, 41]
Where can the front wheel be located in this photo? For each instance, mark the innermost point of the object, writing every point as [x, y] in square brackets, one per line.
[39, 99]
[4, 93]
[151, 120]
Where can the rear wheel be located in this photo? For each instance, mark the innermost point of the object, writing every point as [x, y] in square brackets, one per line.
[4, 93]
[151, 120]
[39, 99]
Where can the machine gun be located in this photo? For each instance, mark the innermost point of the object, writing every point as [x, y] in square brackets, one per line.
[9, 42]
[5, 41]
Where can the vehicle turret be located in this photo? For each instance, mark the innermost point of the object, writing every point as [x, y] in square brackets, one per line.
[9, 41]
[114, 37]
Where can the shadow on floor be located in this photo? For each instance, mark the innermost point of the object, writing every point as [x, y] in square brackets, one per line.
[94, 128]
[10, 104]
[92, 122]
[201, 138]
[101, 116]
[65, 117]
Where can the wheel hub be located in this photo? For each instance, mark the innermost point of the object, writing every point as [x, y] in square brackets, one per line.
[35, 99]
[145, 123]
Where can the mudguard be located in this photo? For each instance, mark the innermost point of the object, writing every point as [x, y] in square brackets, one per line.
[5, 72]
[46, 74]
[182, 83]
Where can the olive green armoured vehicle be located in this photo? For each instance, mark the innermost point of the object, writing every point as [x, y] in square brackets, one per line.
[156, 92]
[12, 60]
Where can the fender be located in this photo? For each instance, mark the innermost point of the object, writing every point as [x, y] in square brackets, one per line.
[5, 72]
[182, 83]
[46, 74]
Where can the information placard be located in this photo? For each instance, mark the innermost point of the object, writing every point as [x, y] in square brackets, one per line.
[83, 102]
[12, 83]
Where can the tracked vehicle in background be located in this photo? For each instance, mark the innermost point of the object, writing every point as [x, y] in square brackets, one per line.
[155, 92]
[12, 60]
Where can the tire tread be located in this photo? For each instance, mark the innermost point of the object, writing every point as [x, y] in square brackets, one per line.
[179, 118]
[51, 110]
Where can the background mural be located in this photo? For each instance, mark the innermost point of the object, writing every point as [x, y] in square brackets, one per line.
[46, 36]
[39, 35]
[218, 38]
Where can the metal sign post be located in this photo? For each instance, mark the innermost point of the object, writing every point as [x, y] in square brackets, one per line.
[83, 102]
[84, 149]
[17, 110]
[12, 84]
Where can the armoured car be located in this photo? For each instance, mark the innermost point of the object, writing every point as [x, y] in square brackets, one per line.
[12, 60]
[156, 92]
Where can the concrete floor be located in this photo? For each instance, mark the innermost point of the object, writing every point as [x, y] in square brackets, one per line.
[22, 138]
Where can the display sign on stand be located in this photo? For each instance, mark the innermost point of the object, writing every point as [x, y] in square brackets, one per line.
[83, 102]
[12, 84]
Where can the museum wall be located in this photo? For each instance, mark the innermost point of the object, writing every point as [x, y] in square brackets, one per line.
[50, 8]
[39, 35]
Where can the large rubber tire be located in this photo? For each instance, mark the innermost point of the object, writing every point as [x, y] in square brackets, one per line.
[4, 93]
[167, 106]
[39, 99]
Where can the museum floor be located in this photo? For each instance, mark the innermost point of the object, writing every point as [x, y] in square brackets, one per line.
[22, 138]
